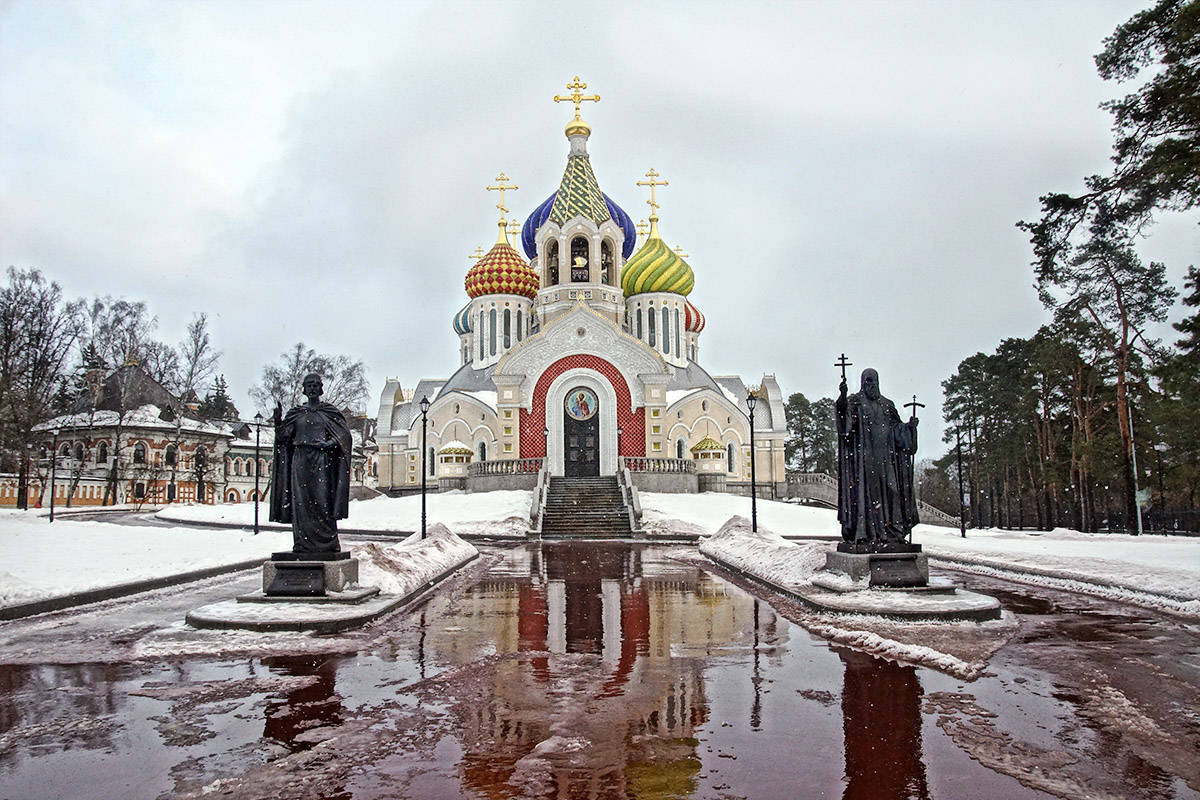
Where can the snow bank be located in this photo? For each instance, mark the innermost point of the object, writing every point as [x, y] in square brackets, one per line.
[767, 556]
[40, 560]
[501, 514]
[403, 568]
[703, 514]
[1161, 572]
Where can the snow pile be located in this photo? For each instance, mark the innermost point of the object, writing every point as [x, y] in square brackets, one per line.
[40, 560]
[1161, 572]
[765, 555]
[403, 568]
[500, 514]
[703, 514]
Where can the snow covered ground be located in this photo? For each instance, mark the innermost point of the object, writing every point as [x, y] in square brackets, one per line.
[39, 560]
[496, 514]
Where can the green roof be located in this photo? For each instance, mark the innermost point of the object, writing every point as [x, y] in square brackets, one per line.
[579, 194]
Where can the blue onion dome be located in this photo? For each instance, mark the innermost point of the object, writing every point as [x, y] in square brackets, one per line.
[542, 213]
[626, 224]
[534, 221]
[462, 321]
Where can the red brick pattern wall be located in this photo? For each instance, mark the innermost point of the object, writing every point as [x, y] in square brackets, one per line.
[631, 421]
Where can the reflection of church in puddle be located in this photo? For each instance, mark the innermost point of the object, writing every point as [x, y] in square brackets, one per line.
[604, 700]
[576, 353]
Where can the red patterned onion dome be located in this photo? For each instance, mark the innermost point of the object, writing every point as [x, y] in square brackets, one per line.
[502, 271]
[693, 320]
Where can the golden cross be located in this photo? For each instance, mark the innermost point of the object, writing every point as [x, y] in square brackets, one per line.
[653, 176]
[642, 227]
[502, 180]
[679, 252]
[514, 229]
[575, 96]
[478, 253]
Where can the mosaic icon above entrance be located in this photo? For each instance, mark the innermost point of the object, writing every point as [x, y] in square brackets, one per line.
[581, 404]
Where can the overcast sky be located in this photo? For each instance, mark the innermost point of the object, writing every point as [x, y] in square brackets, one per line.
[844, 177]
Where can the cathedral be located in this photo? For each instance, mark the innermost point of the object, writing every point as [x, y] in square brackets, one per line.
[579, 356]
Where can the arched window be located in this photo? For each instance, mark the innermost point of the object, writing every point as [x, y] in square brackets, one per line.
[729, 457]
[483, 451]
[231, 496]
[520, 328]
[639, 323]
[262, 467]
[79, 451]
[666, 315]
[432, 462]
[579, 269]
[102, 453]
[139, 453]
[606, 262]
[507, 328]
[65, 450]
[481, 354]
[171, 455]
[651, 320]
[552, 263]
[679, 448]
[678, 351]
[492, 331]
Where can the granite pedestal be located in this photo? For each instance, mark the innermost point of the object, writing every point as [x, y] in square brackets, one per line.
[309, 574]
[882, 566]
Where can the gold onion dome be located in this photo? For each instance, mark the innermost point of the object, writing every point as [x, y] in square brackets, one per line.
[656, 268]
[455, 448]
[707, 444]
[502, 271]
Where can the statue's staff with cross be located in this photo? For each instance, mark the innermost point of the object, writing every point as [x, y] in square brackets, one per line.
[914, 405]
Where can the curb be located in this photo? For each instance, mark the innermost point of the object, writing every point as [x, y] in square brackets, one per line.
[89, 596]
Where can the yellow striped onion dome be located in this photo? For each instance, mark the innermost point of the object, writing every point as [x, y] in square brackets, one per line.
[462, 321]
[708, 444]
[455, 448]
[693, 320]
[656, 268]
[502, 271]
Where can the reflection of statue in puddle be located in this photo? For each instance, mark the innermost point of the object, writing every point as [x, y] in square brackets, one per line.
[881, 709]
[313, 704]
[598, 704]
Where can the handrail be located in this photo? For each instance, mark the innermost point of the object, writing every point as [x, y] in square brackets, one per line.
[510, 466]
[679, 466]
[810, 478]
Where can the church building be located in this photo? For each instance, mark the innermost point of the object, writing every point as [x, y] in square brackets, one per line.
[580, 355]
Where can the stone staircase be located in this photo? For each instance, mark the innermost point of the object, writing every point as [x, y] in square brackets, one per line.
[585, 508]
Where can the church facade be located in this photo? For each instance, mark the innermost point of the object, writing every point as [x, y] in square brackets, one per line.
[579, 354]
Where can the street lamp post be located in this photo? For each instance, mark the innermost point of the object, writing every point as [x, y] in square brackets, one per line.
[258, 422]
[53, 466]
[751, 400]
[424, 455]
[962, 498]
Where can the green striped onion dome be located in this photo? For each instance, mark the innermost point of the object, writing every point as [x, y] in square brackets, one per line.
[656, 268]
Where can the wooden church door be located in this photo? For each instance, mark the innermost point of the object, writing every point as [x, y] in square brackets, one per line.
[581, 433]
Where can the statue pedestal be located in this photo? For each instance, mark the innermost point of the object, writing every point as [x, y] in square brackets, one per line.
[899, 566]
[309, 574]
